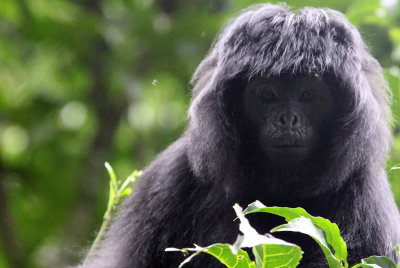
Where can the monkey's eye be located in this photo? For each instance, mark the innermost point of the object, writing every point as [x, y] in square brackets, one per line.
[267, 95]
[307, 95]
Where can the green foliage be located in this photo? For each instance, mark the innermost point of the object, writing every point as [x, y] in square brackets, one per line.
[325, 233]
[270, 252]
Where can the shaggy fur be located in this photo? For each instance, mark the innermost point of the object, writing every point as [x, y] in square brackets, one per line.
[186, 195]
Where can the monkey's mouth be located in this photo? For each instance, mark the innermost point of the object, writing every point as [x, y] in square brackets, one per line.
[287, 142]
[290, 149]
[289, 146]
[288, 154]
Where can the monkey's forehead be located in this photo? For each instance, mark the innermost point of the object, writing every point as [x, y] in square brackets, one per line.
[271, 39]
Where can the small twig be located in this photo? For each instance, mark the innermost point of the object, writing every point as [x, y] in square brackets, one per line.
[116, 193]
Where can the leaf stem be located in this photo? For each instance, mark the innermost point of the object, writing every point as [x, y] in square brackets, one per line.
[113, 201]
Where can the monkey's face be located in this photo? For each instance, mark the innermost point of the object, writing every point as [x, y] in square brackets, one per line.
[288, 114]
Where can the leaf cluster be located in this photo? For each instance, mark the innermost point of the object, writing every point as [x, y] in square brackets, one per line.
[270, 252]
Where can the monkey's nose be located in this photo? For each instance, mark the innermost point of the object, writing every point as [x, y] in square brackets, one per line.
[288, 120]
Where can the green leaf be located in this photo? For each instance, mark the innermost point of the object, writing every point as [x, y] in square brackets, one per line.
[381, 261]
[376, 262]
[113, 177]
[250, 236]
[333, 242]
[270, 255]
[288, 213]
[269, 251]
[223, 253]
[366, 265]
[111, 197]
[306, 226]
[131, 178]
[127, 191]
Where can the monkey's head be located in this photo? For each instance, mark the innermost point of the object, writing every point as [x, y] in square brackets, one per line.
[306, 85]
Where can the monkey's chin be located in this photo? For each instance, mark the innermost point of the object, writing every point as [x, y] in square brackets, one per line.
[288, 155]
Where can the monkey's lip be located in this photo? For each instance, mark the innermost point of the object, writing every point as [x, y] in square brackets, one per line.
[289, 146]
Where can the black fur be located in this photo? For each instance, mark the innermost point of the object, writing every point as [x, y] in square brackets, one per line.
[186, 195]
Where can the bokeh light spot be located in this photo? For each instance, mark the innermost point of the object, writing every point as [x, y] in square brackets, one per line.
[73, 115]
[14, 140]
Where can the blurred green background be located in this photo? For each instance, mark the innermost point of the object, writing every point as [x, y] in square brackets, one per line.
[83, 82]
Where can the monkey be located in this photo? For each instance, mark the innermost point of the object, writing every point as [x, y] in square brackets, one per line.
[288, 108]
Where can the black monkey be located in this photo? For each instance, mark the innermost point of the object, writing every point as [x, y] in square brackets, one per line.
[287, 108]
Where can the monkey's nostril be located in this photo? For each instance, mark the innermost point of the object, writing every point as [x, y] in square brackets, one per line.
[294, 120]
[283, 120]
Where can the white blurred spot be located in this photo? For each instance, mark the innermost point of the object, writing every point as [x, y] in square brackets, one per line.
[390, 4]
[14, 140]
[162, 23]
[380, 12]
[396, 54]
[73, 115]
[146, 3]
[48, 253]
[395, 71]
[141, 116]
[114, 35]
